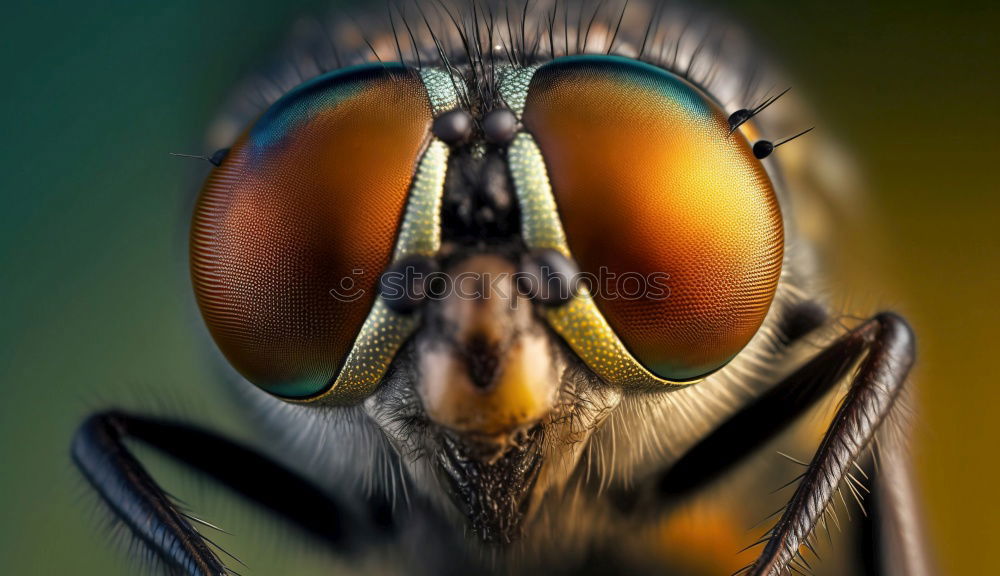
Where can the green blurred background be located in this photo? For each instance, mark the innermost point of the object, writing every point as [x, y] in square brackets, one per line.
[94, 303]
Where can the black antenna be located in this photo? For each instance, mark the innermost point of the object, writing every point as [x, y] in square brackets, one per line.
[409, 32]
[590, 25]
[395, 34]
[653, 18]
[618, 27]
[742, 116]
[524, 33]
[552, 32]
[442, 53]
[512, 53]
[763, 148]
[215, 159]
[566, 29]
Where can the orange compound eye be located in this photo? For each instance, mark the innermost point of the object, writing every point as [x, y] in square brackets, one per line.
[292, 231]
[648, 181]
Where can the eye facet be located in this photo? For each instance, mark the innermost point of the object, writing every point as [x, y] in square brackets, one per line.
[648, 180]
[292, 230]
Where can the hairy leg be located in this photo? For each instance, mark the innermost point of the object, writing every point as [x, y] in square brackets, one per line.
[877, 357]
[887, 353]
[100, 453]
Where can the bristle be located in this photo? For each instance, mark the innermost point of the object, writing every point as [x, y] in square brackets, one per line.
[618, 27]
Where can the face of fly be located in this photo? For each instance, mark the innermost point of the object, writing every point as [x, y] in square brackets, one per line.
[554, 298]
[465, 194]
[495, 405]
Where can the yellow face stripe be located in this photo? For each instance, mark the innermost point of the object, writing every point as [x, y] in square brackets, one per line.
[385, 331]
[578, 322]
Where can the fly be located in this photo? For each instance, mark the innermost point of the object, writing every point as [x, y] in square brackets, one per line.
[531, 275]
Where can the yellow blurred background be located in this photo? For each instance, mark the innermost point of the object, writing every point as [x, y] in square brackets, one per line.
[95, 302]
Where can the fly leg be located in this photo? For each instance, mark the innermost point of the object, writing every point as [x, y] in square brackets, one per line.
[877, 357]
[100, 453]
[885, 346]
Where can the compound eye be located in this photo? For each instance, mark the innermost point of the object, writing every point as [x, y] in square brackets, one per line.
[292, 230]
[650, 184]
